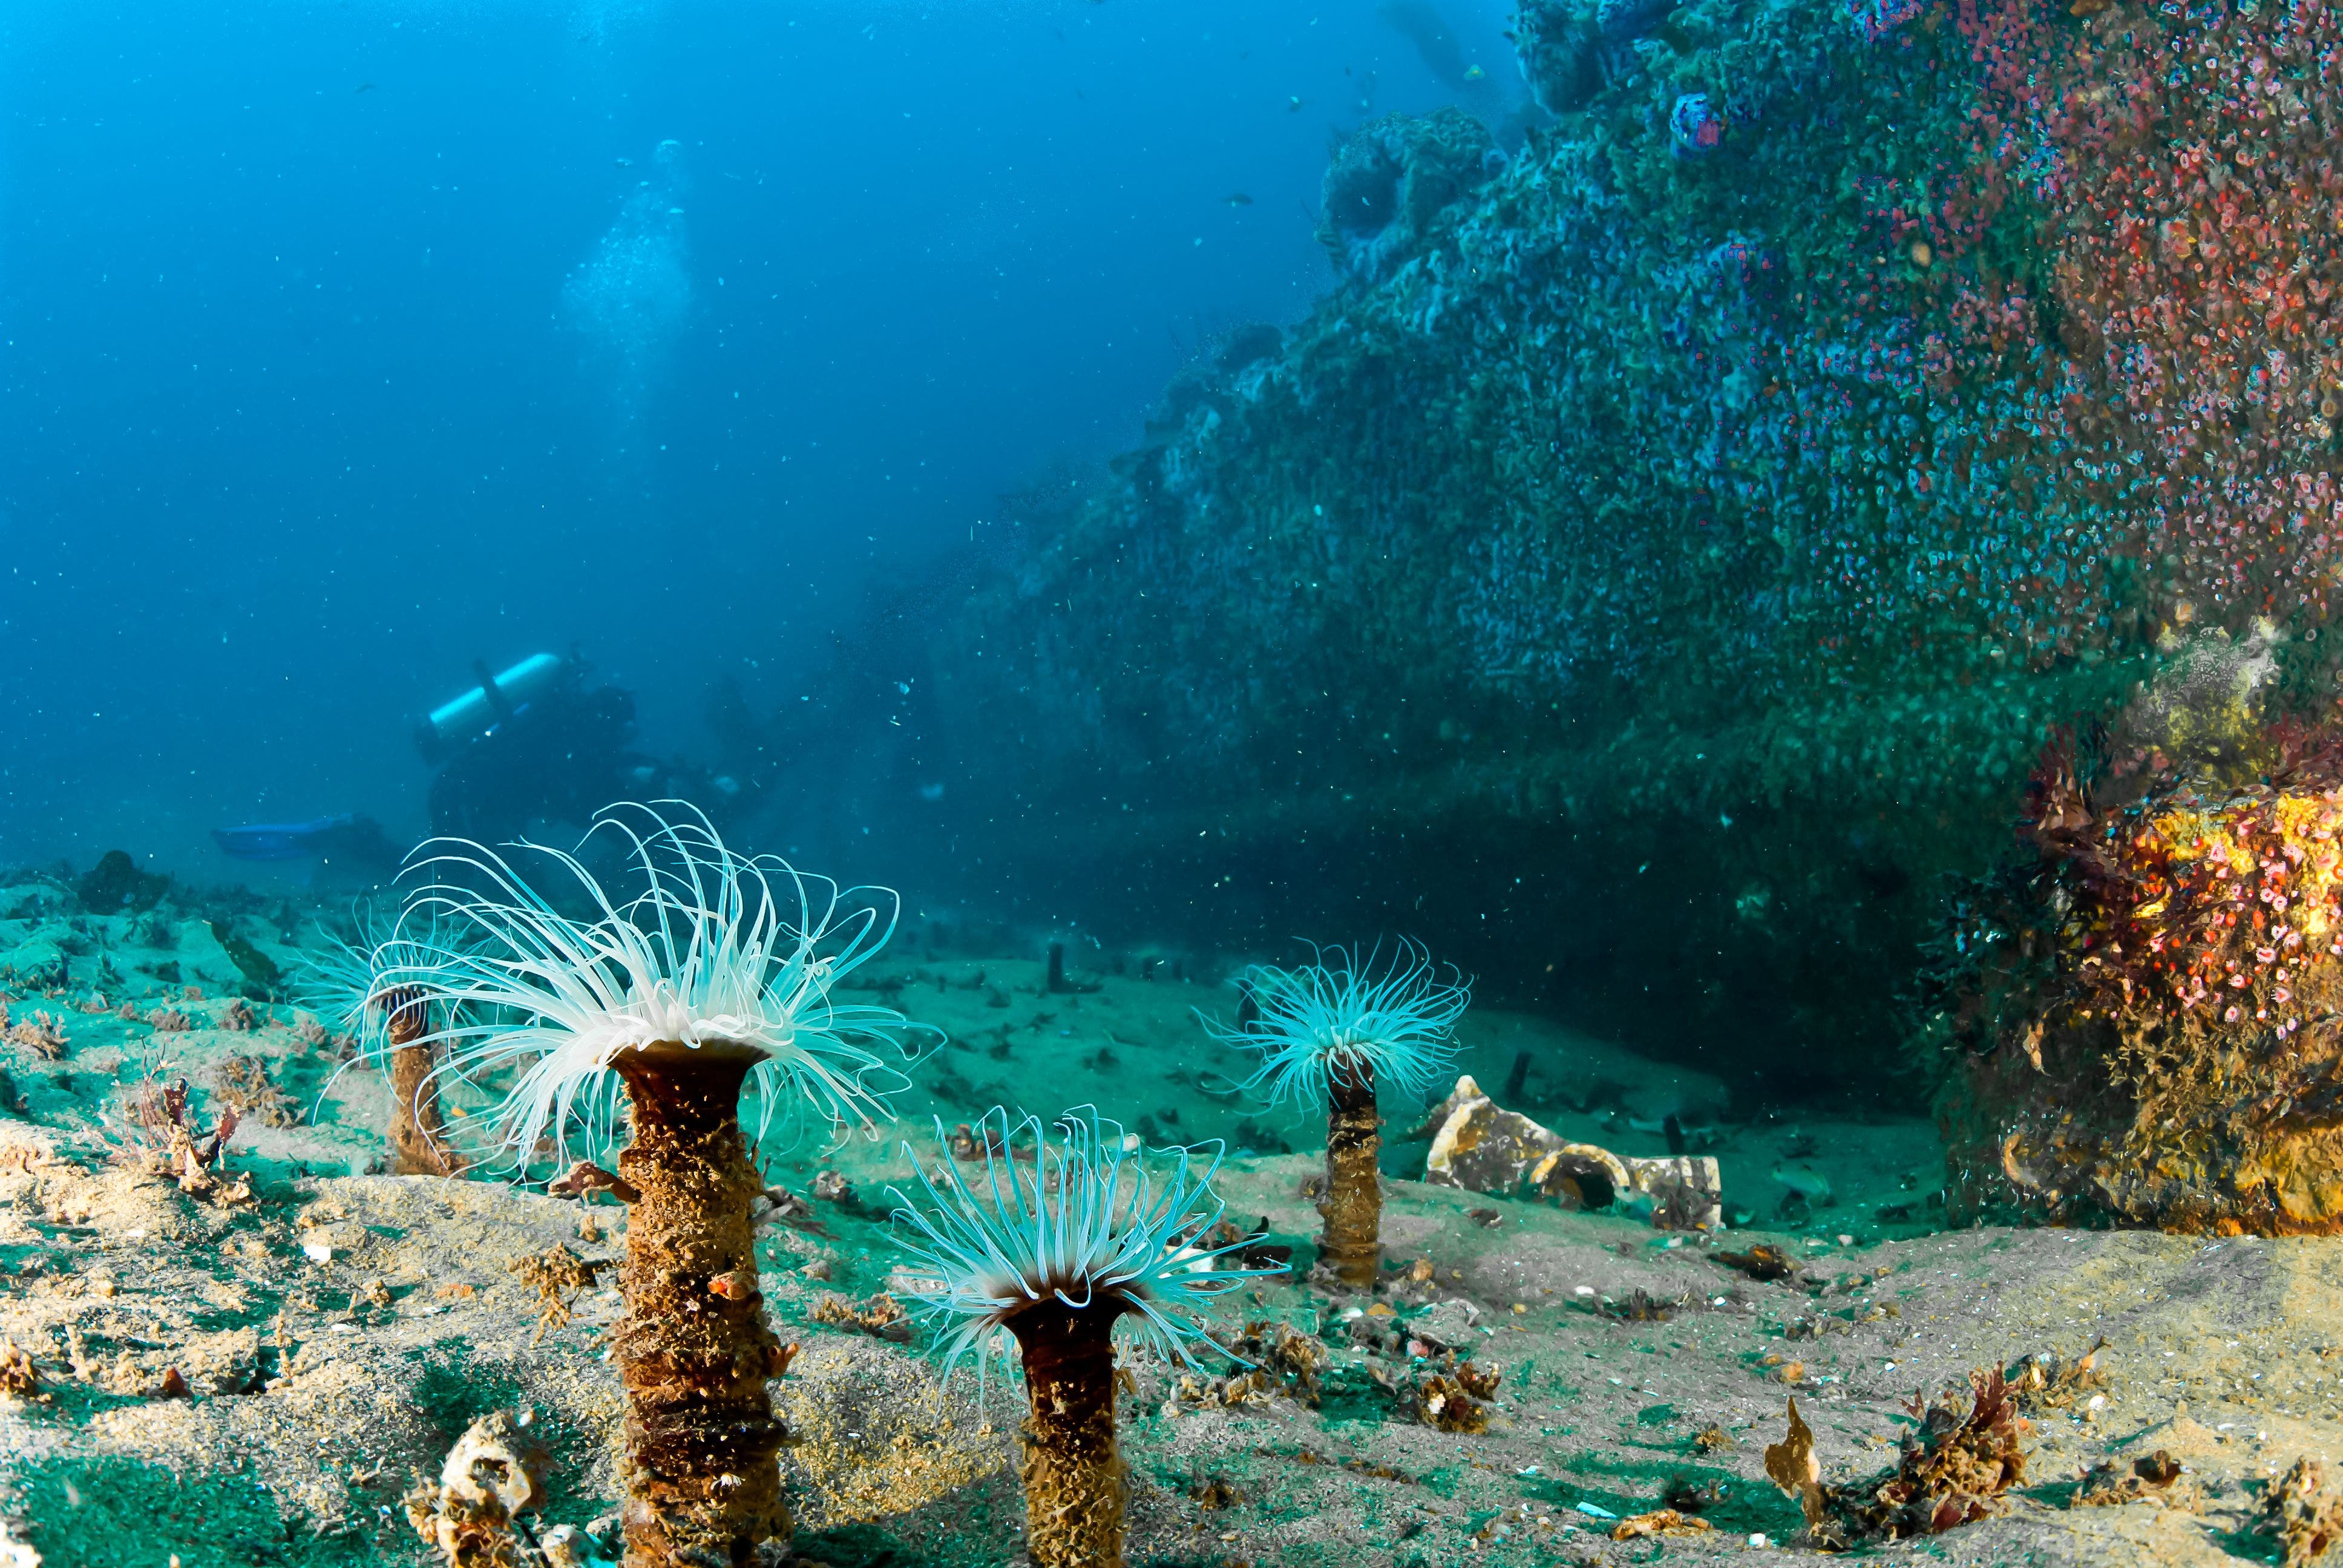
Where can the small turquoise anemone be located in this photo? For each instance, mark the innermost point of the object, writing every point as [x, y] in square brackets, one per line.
[389, 1027]
[1328, 1034]
[334, 979]
[1054, 1253]
[1072, 1226]
[1395, 1017]
[343, 983]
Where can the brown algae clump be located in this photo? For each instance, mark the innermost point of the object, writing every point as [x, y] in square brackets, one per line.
[1952, 1469]
[712, 981]
[1054, 1246]
[1329, 1033]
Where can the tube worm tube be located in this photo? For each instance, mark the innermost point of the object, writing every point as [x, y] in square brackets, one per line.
[702, 1444]
[418, 1140]
[1075, 1484]
[1352, 1208]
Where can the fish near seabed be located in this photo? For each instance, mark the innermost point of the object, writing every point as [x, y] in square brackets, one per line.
[1805, 1181]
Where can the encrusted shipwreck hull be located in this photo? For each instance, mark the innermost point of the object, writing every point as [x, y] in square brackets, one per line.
[2148, 1024]
[1715, 503]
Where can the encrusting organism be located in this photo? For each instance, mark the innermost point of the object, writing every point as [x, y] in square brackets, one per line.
[161, 1136]
[1331, 1032]
[2139, 1020]
[712, 981]
[42, 1034]
[1053, 1245]
[494, 1474]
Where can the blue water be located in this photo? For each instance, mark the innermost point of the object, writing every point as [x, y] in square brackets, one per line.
[344, 343]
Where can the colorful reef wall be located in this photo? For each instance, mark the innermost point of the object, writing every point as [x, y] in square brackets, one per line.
[1712, 506]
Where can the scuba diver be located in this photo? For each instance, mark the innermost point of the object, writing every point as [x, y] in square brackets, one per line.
[538, 742]
[542, 741]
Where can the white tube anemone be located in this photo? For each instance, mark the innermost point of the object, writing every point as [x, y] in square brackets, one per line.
[344, 983]
[715, 950]
[1084, 1223]
[1396, 1018]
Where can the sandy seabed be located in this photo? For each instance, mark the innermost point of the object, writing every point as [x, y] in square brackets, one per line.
[263, 1380]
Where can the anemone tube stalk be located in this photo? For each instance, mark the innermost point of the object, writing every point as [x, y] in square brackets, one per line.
[1351, 1212]
[702, 1444]
[1076, 1488]
[419, 1139]
[697, 990]
[1328, 1032]
[1055, 1258]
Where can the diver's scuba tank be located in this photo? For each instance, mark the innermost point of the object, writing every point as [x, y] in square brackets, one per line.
[454, 723]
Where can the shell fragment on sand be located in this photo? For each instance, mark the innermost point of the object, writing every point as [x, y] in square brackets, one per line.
[1478, 1145]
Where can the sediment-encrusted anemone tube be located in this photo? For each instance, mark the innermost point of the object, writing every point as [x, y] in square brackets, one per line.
[1328, 1033]
[419, 1139]
[701, 988]
[1054, 1246]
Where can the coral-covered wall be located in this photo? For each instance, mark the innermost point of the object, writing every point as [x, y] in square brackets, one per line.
[1757, 465]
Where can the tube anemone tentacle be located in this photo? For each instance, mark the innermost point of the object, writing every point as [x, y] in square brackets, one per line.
[1329, 1033]
[702, 988]
[1055, 1256]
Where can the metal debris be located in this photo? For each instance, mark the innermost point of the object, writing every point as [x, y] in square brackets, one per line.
[1478, 1145]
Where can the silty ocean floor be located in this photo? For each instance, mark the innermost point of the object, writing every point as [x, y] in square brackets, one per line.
[238, 1380]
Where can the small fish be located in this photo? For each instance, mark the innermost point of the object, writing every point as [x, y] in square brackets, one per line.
[363, 88]
[1476, 75]
[1238, 198]
[1804, 1180]
[1292, 105]
[624, 163]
